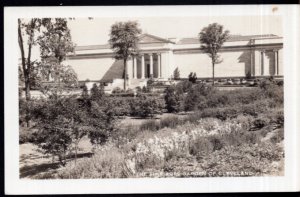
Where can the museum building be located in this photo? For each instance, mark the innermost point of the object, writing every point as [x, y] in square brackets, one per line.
[252, 55]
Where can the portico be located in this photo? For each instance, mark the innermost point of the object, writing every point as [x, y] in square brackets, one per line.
[268, 62]
[145, 65]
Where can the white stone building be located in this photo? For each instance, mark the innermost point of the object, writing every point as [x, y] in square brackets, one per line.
[255, 55]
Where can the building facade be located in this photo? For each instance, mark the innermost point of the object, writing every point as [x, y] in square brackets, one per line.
[255, 55]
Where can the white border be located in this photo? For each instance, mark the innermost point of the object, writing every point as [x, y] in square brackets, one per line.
[289, 182]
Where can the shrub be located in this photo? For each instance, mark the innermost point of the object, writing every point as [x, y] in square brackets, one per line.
[183, 86]
[172, 99]
[201, 146]
[26, 135]
[97, 93]
[144, 106]
[192, 77]
[117, 90]
[104, 164]
[216, 142]
[260, 122]
[176, 74]
[197, 96]
[278, 136]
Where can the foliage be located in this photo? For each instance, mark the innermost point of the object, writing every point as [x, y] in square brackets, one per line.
[176, 74]
[102, 122]
[104, 164]
[55, 43]
[62, 122]
[212, 38]
[53, 37]
[27, 29]
[117, 90]
[183, 86]
[97, 93]
[192, 77]
[124, 38]
[172, 99]
[197, 97]
[144, 106]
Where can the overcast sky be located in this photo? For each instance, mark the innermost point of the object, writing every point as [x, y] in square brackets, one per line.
[96, 31]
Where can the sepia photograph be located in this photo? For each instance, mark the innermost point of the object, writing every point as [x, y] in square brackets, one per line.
[139, 97]
[145, 102]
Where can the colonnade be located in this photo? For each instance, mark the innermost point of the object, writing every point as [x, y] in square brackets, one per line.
[143, 59]
[263, 68]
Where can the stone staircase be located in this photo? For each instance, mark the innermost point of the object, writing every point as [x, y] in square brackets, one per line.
[134, 83]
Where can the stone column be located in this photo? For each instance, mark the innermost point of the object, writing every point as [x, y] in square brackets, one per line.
[262, 69]
[280, 62]
[252, 65]
[257, 63]
[143, 67]
[158, 66]
[275, 61]
[151, 65]
[134, 68]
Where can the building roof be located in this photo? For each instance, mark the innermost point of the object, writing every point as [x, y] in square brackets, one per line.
[232, 38]
[148, 38]
[144, 39]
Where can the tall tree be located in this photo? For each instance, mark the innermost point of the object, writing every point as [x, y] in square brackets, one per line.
[55, 44]
[124, 38]
[27, 29]
[212, 39]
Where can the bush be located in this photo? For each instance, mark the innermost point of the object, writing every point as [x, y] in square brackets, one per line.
[117, 90]
[26, 135]
[216, 142]
[192, 77]
[144, 106]
[104, 164]
[183, 87]
[176, 74]
[197, 96]
[260, 122]
[97, 93]
[201, 146]
[172, 99]
[278, 136]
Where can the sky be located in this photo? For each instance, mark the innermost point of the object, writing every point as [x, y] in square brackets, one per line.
[96, 31]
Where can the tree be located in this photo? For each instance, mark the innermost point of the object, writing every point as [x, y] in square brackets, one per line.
[172, 99]
[55, 43]
[53, 37]
[102, 122]
[176, 74]
[192, 77]
[212, 38]
[27, 29]
[124, 38]
[97, 93]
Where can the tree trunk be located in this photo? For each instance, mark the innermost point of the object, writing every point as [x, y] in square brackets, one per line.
[76, 153]
[125, 74]
[213, 73]
[24, 69]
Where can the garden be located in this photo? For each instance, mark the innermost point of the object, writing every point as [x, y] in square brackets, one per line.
[190, 130]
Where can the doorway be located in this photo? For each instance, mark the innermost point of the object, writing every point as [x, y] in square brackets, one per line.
[148, 71]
